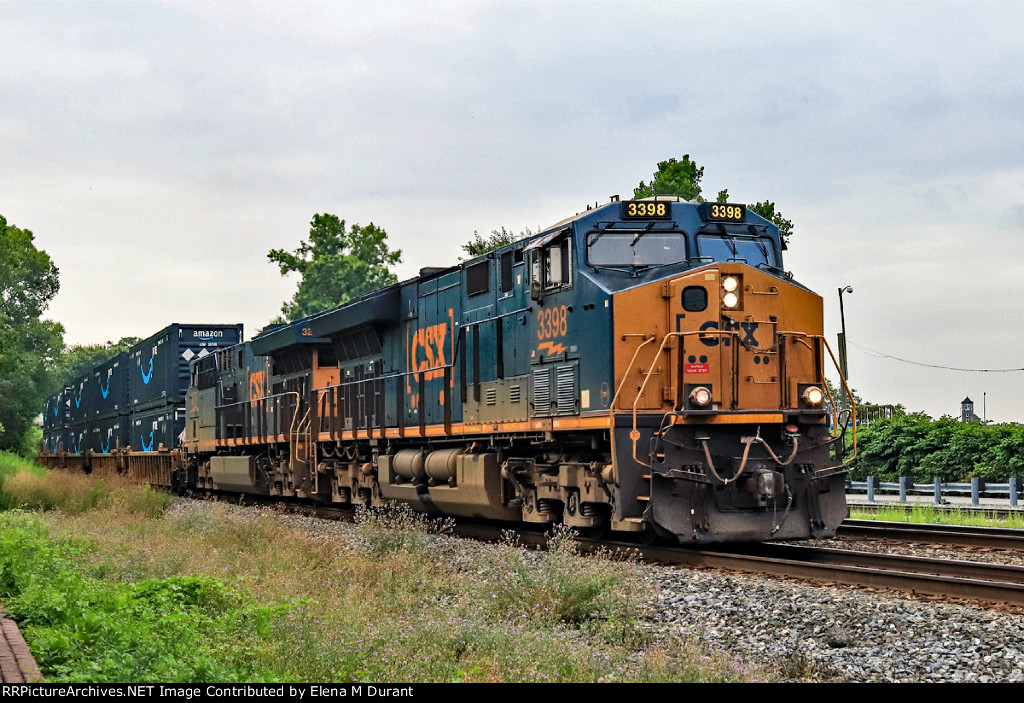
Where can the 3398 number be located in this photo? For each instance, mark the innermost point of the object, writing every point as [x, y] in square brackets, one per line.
[646, 209]
[552, 322]
[724, 211]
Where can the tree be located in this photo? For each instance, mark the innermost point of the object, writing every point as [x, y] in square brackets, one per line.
[336, 265]
[78, 360]
[673, 177]
[480, 245]
[768, 212]
[683, 178]
[28, 344]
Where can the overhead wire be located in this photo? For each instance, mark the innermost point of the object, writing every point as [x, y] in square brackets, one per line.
[883, 355]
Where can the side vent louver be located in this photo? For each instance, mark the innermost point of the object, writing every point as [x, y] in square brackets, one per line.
[566, 390]
[542, 391]
[515, 394]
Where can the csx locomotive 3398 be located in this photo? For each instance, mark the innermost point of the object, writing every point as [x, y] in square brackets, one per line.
[644, 366]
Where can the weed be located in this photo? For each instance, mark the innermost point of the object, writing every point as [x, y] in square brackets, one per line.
[932, 515]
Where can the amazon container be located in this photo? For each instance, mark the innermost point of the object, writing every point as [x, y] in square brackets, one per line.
[76, 439]
[52, 439]
[157, 428]
[108, 433]
[158, 368]
[108, 388]
[78, 401]
[55, 412]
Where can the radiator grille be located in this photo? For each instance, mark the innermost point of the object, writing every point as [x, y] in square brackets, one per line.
[542, 392]
[566, 390]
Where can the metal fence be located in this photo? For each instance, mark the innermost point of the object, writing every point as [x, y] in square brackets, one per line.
[977, 489]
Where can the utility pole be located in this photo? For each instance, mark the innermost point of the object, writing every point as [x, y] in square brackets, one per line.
[842, 335]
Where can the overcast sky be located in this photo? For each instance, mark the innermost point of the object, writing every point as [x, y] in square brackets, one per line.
[158, 151]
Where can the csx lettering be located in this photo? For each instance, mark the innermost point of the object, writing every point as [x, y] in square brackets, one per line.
[426, 351]
[257, 387]
[552, 322]
[746, 330]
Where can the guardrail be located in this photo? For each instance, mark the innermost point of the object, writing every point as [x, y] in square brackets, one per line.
[978, 488]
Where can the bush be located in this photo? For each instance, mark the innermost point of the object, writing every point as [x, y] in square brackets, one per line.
[76, 493]
[915, 445]
[557, 584]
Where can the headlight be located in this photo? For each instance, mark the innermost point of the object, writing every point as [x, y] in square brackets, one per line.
[730, 283]
[730, 300]
[813, 395]
[700, 396]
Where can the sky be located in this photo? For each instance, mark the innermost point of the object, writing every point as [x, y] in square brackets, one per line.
[158, 151]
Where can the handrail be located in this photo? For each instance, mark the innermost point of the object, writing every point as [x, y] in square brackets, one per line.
[635, 434]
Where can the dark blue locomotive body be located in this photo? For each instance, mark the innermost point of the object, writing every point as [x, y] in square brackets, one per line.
[643, 366]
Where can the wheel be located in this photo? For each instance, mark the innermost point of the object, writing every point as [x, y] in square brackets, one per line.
[651, 536]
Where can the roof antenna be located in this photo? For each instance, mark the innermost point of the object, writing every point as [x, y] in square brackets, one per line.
[614, 199]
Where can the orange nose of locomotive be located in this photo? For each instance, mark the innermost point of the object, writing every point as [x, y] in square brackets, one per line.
[723, 340]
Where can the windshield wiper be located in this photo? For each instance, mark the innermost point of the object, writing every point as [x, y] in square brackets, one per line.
[640, 234]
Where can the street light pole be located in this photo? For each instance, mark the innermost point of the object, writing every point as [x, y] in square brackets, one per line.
[842, 335]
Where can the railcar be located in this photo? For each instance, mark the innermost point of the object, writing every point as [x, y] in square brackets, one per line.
[644, 366]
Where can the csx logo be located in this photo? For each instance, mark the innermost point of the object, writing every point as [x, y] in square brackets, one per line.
[426, 351]
[747, 331]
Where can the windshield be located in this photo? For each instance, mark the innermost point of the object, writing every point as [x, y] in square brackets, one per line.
[627, 249]
[727, 247]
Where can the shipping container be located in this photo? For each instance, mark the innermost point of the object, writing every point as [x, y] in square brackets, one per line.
[108, 389]
[158, 368]
[158, 428]
[76, 439]
[108, 434]
[57, 412]
[79, 401]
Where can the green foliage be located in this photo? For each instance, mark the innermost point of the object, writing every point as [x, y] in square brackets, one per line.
[939, 516]
[683, 178]
[562, 586]
[673, 177]
[498, 238]
[10, 465]
[28, 344]
[207, 593]
[83, 629]
[915, 445]
[768, 212]
[336, 265]
[395, 528]
[79, 360]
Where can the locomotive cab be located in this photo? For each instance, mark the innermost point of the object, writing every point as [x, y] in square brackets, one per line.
[720, 430]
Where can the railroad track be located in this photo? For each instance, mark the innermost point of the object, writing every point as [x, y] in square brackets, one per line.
[991, 583]
[998, 584]
[965, 536]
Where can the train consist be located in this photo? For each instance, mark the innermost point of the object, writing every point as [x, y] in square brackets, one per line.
[644, 366]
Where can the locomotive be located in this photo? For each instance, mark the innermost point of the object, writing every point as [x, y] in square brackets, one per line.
[644, 366]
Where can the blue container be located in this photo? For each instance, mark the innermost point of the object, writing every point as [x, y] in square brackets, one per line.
[79, 400]
[158, 368]
[108, 434]
[156, 428]
[108, 387]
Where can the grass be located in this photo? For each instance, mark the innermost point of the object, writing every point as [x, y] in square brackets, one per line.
[110, 583]
[930, 514]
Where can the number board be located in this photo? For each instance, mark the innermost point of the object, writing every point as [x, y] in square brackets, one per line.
[649, 210]
[725, 212]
